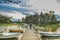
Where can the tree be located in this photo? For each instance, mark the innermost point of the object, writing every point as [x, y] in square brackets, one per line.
[23, 19]
[35, 19]
[4, 19]
[27, 19]
[32, 19]
[46, 18]
[52, 17]
[41, 18]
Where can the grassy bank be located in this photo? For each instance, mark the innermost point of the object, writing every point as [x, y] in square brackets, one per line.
[49, 27]
[9, 24]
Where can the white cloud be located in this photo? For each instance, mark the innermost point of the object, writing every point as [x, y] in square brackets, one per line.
[36, 4]
[12, 5]
[46, 4]
[16, 15]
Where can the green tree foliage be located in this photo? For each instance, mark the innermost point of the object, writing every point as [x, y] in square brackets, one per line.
[32, 19]
[35, 19]
[52, 18]
[43, 18]
[27, 19]
[4, 19]
[23, 20]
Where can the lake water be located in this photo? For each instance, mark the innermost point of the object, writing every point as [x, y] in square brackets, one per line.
[50, 38]
[2, 29]
[10, 39]
[6, 28]
[42, 38]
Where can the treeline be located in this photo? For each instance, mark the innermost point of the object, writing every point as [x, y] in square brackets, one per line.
[4, 19]
[43, 18]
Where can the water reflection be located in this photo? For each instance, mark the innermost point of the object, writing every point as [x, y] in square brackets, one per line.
[2, 27]
[10, 39]
[6, 28]
[50, 38]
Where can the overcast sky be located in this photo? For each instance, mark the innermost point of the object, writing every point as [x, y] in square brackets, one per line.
[46, 4]
[39, 5]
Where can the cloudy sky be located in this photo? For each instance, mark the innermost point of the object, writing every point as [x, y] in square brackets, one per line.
[47, 4]
[37, 5]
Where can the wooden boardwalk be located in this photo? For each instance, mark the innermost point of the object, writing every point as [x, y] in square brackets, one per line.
[30, 34]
